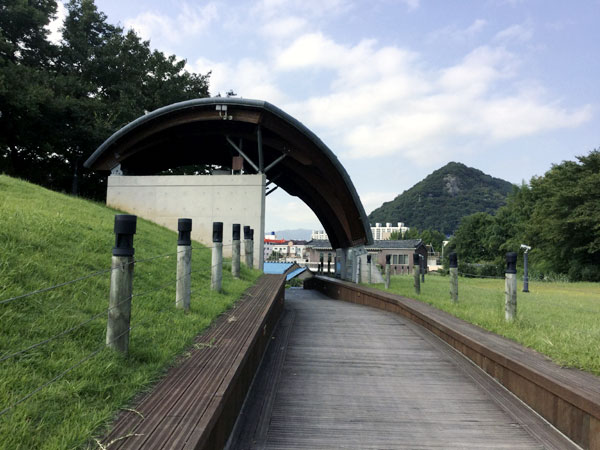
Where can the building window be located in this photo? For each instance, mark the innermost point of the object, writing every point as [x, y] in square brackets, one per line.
[394, 259]
[402, 259]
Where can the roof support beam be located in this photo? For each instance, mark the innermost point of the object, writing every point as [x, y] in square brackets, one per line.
[270, 166]
[239, 150]
[274, 189]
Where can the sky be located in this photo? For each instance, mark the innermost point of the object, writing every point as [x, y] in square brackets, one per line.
[398, 88]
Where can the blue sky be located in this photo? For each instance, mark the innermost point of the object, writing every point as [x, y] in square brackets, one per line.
[398, 88]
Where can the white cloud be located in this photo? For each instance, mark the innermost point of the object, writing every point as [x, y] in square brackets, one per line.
[249, 78]
[453, 33]
[54, 27]
[283, 27]
[517, 32]
[382, 102]
[190, 21]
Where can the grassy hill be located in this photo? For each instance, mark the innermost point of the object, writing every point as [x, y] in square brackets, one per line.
[441, 199]
[47, 238]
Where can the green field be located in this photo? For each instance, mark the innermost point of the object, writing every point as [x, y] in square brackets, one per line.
[560, 320]
[48, 238]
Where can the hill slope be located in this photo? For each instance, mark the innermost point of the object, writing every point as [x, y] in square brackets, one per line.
[49, 238]
[441, 199]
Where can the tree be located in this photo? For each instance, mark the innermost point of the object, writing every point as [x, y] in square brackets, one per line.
[472, 239]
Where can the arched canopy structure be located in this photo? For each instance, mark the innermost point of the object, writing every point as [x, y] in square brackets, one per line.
[212, 130]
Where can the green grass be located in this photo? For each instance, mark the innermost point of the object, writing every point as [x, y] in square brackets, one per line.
[48, 238]
[560, 320]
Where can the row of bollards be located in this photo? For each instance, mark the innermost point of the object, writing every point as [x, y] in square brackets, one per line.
[510, 302]
[121, 281]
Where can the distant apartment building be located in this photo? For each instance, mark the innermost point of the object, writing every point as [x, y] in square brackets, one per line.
[379, 232]
[288, 251]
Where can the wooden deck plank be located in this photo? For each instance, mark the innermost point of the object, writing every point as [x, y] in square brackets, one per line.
[356, 377]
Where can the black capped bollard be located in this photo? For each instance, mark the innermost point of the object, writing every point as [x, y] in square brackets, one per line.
[417, 270]
[525, 272]
[388, 259]
[329, 265]
[184, 265]
[510, 303]
[216, 278]
[121, 284]
[235, 250]
[321, 264]
[369, 269]
[422, 265]
[453, 277]
[248, 246]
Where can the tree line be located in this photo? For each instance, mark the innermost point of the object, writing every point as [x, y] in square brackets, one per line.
[557, 214]
[60, 101]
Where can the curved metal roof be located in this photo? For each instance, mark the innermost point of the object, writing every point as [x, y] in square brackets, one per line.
[200, 132]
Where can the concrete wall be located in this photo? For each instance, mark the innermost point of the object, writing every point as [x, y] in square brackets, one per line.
[203, 198]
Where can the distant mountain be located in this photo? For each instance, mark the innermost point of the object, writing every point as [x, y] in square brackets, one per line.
[294, 235]
[441, 199]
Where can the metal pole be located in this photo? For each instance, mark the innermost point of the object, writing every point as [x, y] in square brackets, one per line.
[216, 278]
[121, 284]
[370, 267]
[387, 271]
[235, 250]
[184, 265]
[453, 277]
[525, 273]
[252, 248]
[510, 302]
[248, 246]
[416, 270]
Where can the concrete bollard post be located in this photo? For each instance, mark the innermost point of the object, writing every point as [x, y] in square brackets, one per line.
[369, 268]
[235, 250]
[216, 278]
[416, 270]
[248, 246]
[422, 265]
[121, 284]
[387, 270]
[184, 265]
[510, 283]
[358, 270]
[454, 277]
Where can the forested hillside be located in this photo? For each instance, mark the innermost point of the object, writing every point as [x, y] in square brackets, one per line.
[557, 214]
[440, 200]
[58, 102]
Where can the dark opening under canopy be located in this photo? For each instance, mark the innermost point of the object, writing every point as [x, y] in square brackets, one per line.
[206, 131]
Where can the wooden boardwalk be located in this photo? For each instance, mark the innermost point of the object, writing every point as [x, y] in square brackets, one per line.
[340, 375]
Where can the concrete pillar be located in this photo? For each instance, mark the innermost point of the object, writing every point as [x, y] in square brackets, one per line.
[369, 269]
[121, 284]
[252, 246]
[235, 250]
[184, 265]
[453, 277]
[216, 278]
[510, 283]
[417, 270]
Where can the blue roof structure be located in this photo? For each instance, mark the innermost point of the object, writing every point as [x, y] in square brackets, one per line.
[276, 268]
[295, 273]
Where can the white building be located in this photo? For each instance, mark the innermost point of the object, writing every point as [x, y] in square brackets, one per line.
[382, 233]
[319, 235]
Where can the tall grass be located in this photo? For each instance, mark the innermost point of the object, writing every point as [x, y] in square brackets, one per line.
[560, 320]
[48, 238]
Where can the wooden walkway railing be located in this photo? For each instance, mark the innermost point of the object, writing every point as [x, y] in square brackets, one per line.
[195, 406]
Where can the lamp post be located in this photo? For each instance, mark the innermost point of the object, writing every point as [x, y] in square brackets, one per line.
[525, 268]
